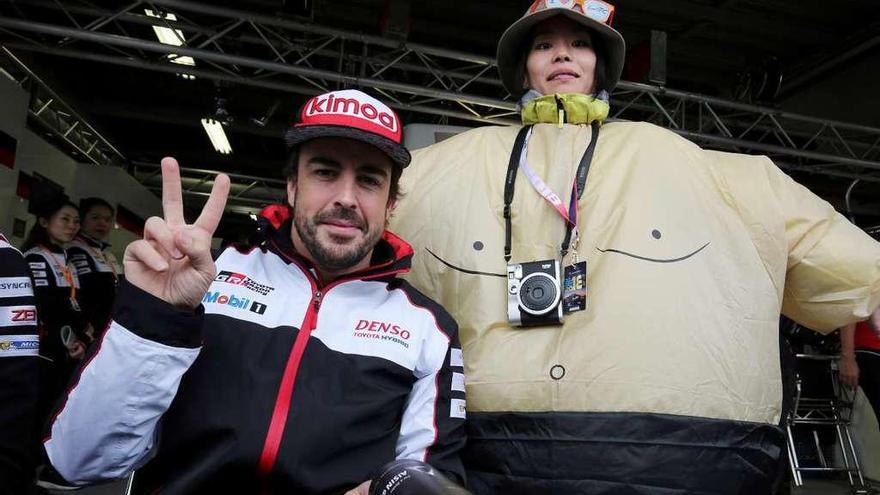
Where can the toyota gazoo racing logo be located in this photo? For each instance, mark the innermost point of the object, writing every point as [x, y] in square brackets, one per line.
[372, 329]
[233, 301]
[376, 113]
[244, 281]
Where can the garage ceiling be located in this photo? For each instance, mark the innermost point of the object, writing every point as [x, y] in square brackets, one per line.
[254, 57]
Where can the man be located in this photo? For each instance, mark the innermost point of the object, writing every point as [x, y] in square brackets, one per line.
[300, 366]
[617, 287]
[96, 267]
[19, 372]
[860, 361]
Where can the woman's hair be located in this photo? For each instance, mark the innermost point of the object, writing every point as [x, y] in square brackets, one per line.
[600, 77]
[86, 205]
[38, 234]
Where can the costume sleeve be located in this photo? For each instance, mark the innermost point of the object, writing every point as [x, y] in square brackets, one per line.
[19, 379]
[833, 275]
[432, 427]
[106, 427]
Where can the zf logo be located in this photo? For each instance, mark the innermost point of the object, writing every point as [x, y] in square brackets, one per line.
[23, 315]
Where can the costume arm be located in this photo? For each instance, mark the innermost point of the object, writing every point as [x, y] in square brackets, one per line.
[107, 426]
[833, 270]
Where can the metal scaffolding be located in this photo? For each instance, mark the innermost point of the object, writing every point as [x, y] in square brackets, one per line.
[285, 54]
[58, 118]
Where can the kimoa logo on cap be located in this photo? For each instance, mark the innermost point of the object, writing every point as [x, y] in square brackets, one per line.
[353, 104]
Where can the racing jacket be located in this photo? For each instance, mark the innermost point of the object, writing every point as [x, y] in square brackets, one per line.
[19, 373]
[669, 381]
[98, 272]
[275, 384]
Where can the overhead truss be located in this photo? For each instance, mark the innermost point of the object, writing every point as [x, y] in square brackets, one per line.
[285, 54]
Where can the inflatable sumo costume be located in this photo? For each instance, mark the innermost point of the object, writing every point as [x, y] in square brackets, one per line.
[622, 336]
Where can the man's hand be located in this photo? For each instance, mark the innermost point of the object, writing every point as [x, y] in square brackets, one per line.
[849, 371]
[173, 261]
[362, 489]
[874, 321]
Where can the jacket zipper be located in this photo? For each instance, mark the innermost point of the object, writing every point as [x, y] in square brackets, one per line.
[281, 411]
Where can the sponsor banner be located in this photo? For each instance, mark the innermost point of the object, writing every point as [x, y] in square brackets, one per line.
[15, 287]
[458, 382]
[19, 345]
[455, 358]
[457, 408]
[18, 316]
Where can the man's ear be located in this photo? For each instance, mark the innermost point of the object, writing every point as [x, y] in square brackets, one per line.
[43, 222]
[291, 192]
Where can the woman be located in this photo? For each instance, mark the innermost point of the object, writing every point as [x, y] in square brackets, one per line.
[618, 288]
[96, 267]
[56, 288]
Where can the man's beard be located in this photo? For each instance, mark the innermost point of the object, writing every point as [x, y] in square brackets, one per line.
[336, 256]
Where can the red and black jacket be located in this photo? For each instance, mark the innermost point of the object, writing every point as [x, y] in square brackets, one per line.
[275, 384]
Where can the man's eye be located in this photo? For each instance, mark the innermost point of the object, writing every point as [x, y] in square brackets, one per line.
[581, 43]
[542, 45]
[371, 181]
[324, 172]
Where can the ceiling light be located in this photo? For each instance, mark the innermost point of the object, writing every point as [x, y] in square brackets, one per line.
[217, 135]
[172, 37]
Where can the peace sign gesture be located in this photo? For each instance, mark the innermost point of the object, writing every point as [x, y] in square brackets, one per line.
[173, 261]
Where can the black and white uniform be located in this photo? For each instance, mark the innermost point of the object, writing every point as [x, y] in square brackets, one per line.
[275, 384]
[58, 307]
[98, 272]
[19, 372]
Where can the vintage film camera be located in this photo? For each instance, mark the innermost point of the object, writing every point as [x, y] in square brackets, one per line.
[534, 292]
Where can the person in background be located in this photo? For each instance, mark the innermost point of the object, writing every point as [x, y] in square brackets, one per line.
[860, 361]
[19, 372]
[96, 267]
[62, 328]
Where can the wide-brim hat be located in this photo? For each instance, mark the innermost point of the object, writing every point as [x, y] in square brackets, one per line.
[594, 15]
[351, 114]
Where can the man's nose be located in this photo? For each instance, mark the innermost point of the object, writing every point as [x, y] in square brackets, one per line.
[346, 193]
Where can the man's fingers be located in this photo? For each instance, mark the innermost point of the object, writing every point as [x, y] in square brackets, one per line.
[141, 251]
[213, 210]
[196, 244]
[172, 199]
[156, 230]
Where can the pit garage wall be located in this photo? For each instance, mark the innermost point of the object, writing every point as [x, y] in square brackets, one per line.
[79, 180]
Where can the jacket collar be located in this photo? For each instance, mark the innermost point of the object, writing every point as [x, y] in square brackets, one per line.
[92, 242]
[391, 255]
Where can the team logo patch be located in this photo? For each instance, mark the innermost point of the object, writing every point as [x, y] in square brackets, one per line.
[15, 287]
[380, 330]
[19, 345]
[233, 301]
[16, 316]
[244, 281]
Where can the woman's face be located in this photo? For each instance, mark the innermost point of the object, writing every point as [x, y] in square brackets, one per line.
[561, 58]
[97, 222]
[62, 226]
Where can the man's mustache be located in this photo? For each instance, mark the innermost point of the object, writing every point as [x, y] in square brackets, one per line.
[342, 214]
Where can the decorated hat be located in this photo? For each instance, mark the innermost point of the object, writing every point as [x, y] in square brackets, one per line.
[595, 15]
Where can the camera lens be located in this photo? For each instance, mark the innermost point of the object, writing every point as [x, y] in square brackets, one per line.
[538, 293]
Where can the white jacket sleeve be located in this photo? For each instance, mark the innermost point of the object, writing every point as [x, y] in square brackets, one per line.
[106, 427]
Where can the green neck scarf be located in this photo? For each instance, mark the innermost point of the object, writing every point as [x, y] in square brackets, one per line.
[568, 108]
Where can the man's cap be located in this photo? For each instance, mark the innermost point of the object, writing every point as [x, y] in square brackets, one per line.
[351, 114]
[595, 15]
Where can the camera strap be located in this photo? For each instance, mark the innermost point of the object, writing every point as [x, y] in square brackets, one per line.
[518, 161]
